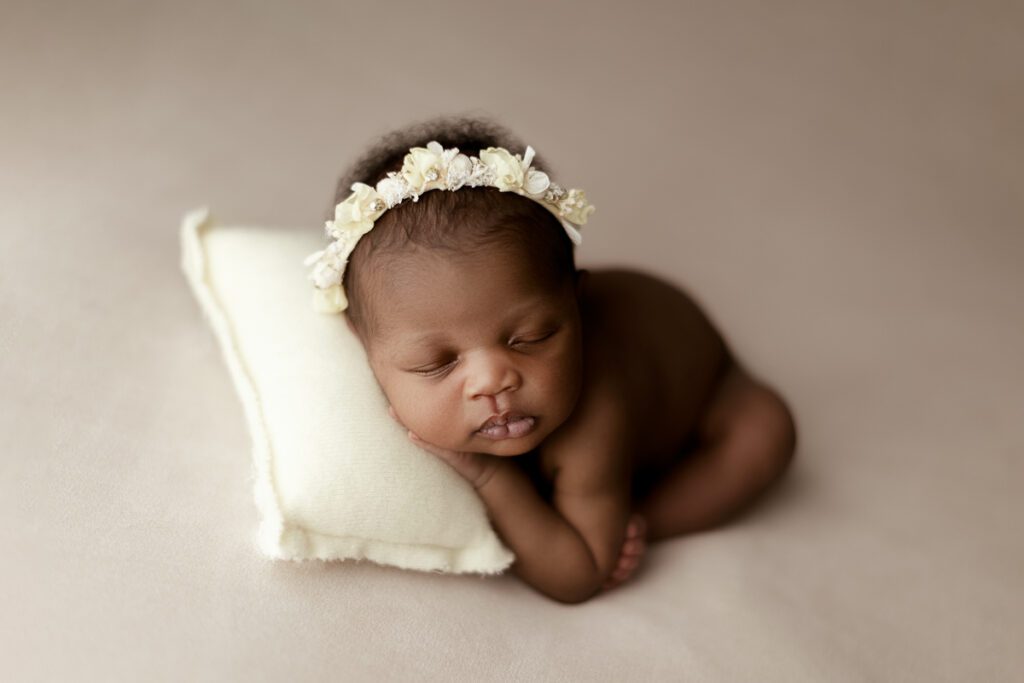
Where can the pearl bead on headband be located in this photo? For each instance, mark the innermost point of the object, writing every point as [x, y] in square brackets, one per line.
[425, 169]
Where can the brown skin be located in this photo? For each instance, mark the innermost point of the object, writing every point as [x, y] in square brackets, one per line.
[642, 424]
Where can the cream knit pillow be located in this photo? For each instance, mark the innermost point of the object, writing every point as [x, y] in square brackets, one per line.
[335, 476]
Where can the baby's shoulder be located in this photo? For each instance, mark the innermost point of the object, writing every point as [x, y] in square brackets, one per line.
[633, 293]
[630, 309]
[653, 345]
[631, 316]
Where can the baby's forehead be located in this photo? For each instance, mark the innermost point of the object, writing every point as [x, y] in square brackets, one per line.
[413, 287]
[441, 273]
[482, 308]
[436, 312]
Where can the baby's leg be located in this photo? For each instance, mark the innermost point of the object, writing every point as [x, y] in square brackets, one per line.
[746, 439]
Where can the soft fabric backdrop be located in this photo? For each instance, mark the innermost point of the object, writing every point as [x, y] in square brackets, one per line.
[841, 183]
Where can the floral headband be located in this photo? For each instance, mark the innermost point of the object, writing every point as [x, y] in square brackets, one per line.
[425, 169]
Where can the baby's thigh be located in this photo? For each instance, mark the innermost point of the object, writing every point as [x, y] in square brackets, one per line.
[749, 421]
[741, 419]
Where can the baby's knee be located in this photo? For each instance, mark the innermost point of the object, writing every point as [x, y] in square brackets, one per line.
[768, 434]
[780, 420]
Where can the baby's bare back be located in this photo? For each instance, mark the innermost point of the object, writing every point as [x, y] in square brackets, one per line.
[654, 343]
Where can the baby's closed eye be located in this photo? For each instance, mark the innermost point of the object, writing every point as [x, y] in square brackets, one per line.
[435, 369]
[530, 339]
[443, 364]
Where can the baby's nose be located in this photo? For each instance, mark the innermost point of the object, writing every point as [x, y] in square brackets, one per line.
[490, 375]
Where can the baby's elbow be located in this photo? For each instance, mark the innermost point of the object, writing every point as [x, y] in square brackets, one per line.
[785, 437]
[771, 437]
[577, 588]
[575, 594]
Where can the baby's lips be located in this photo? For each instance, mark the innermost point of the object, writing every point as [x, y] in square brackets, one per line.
[513, 427]
[503, 418]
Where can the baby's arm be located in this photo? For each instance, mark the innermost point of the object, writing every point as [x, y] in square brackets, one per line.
[567, 550]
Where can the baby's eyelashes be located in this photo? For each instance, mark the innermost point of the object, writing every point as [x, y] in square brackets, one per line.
[536, 339]
[433, 370]
[443, 366]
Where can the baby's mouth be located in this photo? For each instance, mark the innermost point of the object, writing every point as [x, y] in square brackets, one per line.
[507, 426]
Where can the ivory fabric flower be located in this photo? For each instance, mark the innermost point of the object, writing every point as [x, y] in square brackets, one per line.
[536, 182]
[329, 263]
[508, 170]
[424, 167]
[358, 212]
[480, 174]
[393, 189]
[575, 207]
[325, 274]
[459, 171]
[415, 166]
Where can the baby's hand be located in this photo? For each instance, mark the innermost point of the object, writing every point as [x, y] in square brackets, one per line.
[476, 468]
[633, 549]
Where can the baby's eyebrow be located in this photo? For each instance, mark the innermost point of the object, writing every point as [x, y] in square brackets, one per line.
[426, 339]
[515, 316]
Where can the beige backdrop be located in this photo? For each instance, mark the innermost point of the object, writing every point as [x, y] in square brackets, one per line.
[840, 184]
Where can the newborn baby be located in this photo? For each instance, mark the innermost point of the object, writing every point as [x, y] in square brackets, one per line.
[593, 411]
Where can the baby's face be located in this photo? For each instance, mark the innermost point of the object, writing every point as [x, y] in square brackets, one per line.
[474, 353]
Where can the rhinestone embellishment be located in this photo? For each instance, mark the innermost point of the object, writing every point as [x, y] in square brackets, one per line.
[554, 193]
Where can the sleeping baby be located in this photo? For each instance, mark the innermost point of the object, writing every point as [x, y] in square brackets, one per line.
[593, 411]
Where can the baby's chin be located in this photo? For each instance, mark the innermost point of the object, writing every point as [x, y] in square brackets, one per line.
[508, 450]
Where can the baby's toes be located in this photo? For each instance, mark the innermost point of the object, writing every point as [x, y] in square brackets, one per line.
[624, 571]
[640, 524]
[625, 567]
[632, 529]
[609, 583]
[634, 547]
[636, 527]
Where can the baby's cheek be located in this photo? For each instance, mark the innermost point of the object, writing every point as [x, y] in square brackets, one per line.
[565, 375]
[428, 416]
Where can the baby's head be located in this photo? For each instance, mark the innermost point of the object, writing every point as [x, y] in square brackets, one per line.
[466, 302]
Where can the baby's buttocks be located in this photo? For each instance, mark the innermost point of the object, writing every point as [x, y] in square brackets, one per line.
[661, 350]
